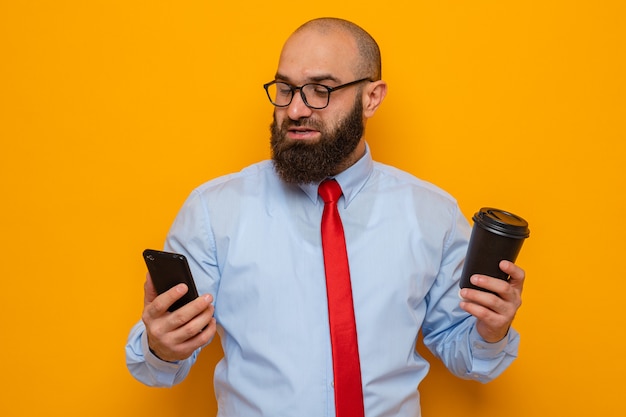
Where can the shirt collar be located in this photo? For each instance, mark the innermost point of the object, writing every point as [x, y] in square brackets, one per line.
[351, 180]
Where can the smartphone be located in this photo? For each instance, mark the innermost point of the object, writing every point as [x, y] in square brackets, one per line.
[167, 270]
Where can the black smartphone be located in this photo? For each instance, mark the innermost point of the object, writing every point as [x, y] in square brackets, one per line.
[167, 270]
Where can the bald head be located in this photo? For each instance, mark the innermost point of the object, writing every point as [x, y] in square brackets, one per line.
[368, 64]
[321, 57]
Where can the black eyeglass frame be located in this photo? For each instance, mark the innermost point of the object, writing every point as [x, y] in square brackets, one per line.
[295, 88]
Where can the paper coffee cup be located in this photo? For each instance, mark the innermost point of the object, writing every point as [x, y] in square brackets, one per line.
[496, 235]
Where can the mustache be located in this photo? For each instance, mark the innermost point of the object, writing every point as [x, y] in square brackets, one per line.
[304, 122]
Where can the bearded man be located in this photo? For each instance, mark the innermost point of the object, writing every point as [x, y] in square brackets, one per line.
[309, 326]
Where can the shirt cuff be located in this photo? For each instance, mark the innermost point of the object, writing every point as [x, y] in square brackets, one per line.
[487, 350]
[490, 359]
[163, 372]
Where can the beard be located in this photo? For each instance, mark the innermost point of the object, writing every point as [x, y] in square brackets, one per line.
[299, 162]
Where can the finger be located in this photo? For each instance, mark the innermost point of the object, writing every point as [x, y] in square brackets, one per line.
[506, 297]
[516, 274]
[478, 310]
[493, 312]
[192, 311]
[174, 336]
[195, 332]
[496, 285]
[161, 303]
[194, 326]
[148, 290]
[490, 325]
[484, 300]
[184, 349]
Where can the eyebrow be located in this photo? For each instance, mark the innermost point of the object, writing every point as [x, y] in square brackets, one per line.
[314, 79]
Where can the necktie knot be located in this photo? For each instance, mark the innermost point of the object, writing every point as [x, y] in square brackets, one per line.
[330, 191]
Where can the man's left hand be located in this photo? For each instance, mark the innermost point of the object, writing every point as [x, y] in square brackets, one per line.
[495, 313]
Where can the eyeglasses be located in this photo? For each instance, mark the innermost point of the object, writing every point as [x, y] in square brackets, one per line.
[315, 96]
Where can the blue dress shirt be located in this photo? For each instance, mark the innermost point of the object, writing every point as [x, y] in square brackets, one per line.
[254, 242]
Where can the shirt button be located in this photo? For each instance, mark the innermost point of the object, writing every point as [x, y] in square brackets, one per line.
[332, 384]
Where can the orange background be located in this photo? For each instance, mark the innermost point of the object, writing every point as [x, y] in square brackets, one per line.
[112, 111]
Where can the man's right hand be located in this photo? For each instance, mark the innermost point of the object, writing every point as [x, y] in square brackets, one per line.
[174, 336]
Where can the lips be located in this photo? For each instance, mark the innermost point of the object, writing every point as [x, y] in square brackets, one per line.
[302, 133]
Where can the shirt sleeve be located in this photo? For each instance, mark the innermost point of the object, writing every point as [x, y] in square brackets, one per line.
[450, 332]
[149, 369]
[190, 236]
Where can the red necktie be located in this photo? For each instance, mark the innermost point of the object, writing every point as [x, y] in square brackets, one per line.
[346, 366]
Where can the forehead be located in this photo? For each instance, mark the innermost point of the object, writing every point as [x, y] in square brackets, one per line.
[311, 55]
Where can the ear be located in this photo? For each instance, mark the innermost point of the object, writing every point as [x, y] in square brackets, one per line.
[373, 95]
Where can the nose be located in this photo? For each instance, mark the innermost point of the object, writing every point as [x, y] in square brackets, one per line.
[297, 109]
